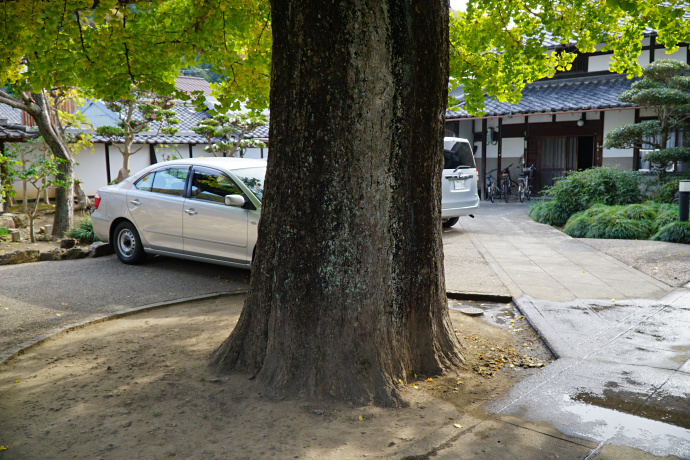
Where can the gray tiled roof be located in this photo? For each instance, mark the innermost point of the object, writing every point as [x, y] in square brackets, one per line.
[587, 93]
[15, 133]
[13, 116]
[178, 138]
[259, 133]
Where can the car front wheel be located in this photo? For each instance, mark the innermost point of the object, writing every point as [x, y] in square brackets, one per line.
[127, 244]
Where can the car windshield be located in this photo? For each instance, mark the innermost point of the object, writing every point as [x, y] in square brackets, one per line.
[459, 156]
[253, 178]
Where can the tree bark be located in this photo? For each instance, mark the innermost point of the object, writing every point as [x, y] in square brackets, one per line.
[40, 110]
[347, 293]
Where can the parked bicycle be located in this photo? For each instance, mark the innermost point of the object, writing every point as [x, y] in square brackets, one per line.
[492, 190]
[506, 182]
[525, 183]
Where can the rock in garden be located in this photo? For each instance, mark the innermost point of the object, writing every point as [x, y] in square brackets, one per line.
[6, 220]
[100, 249]
[54, 254]
[21, 220]
[74, 253]
[20, 257]
[68, 243]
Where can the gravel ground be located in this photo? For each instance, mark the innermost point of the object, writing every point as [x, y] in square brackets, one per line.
[666, 262]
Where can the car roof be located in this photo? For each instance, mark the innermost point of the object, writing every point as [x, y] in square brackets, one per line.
[230, 163]
[455, 139]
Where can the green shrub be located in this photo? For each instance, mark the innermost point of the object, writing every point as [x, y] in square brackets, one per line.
[550, 213]
[83, 231]
[615, 226]
[640, 212]
[580, 189]
[4, 231]
[675, 232]
[535, 210]
[579, 225]
[666, 214]
[667, 193]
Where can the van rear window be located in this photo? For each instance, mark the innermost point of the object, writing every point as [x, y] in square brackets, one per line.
[459, 156]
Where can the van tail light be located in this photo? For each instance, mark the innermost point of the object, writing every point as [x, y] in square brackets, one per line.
[476, 174]
[96, 201]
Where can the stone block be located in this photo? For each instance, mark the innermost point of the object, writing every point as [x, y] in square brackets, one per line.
[21, 220]
[74, 253]
[68, 243]
[6, 220]
[100, 249]
[20, 257]
[50, 255]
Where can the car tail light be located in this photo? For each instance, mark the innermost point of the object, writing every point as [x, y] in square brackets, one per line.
[96, 201]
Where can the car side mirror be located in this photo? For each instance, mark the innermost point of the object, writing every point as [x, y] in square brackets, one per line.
[234, 200]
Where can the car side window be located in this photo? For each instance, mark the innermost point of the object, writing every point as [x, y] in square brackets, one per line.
[170, 181]
[145, 182]
[211, 185]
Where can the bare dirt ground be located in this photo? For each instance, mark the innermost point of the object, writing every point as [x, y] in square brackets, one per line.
[139, 387]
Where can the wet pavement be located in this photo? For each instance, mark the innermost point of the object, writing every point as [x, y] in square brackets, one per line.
[622, 338]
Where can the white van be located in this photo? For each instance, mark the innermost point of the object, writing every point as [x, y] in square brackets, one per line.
[459, 181]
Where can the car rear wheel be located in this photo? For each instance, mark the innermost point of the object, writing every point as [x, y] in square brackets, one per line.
[450, 222]
[127, 244]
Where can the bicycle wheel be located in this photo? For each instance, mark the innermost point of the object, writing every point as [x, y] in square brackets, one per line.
[521, 193]
[528, 193]
[506, 197]
[492, 187]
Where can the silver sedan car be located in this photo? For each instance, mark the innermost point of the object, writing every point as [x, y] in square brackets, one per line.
[204, 209]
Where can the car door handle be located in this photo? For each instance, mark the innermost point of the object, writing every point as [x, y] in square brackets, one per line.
[135, 202]
[191, 211]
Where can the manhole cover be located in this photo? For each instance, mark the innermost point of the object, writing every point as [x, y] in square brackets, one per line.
[472, 311]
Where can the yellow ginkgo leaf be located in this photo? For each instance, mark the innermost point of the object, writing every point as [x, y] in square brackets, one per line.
[456, 425]
[3, 448]
[17, 381]
[361, 419]
[429, 379]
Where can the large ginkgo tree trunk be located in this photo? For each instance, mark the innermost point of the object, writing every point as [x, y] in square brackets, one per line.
[347, 294]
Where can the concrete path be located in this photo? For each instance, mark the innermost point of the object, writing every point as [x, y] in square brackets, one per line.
[622, 338]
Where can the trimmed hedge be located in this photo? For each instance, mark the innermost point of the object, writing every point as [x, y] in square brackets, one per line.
[549, 212]
[581, 189]
[675, 232]
[635, 221]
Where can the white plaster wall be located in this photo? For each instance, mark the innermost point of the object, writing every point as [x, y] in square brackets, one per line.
[613, 119]
[568, 116]
[643, 58]
[513, 148]
[681, 54]
[647, 113]
[539, 119]
[514, 121]
[170, 151]
[90, 169]
[599, 63]
[256, 153]
[491, 151]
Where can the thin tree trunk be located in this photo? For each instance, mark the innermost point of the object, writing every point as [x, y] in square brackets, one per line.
[347, 293]
[64, 196]
[25, 203]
